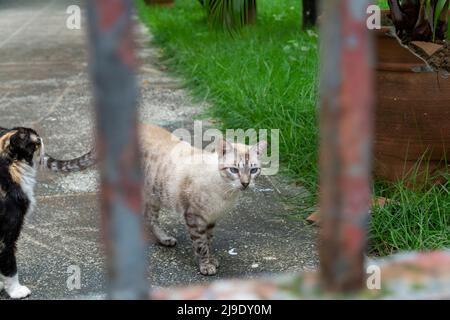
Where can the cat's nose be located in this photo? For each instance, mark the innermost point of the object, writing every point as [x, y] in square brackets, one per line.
[244, 185]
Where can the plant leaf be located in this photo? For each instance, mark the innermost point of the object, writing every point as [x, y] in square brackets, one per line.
[437, 13]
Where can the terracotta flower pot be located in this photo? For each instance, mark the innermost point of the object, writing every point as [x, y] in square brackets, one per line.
[160, 2]
[412, 113]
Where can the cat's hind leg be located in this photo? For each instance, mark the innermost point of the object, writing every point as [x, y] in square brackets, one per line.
[152, 209]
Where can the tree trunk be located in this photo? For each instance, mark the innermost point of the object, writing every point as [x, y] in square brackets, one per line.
[251, 13]
[422, 29]
[405, 17]
[309, 13]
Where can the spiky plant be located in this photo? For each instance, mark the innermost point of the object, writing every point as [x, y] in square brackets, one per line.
[230, 15]
[424, 20]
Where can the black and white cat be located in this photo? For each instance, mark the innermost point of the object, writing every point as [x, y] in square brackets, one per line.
[21, 152]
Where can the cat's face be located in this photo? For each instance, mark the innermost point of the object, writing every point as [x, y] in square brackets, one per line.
[23, 144]
[240, 164]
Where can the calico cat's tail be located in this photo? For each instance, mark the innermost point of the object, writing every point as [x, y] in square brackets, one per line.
[74, 165]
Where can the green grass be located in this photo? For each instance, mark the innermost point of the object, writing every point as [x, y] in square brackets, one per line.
[263, 78]
[411, 220]
[266, 77]
[383, 4]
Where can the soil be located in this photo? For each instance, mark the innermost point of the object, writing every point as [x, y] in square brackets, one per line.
[441, 59]
[386, 20]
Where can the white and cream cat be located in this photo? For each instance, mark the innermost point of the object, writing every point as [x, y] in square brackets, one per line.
[199, 185]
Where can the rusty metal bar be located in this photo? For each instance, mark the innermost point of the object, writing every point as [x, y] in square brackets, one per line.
[112, 66]
[346, 142]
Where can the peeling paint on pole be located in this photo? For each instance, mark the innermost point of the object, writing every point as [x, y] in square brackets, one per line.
[346, 143]
[112, 69]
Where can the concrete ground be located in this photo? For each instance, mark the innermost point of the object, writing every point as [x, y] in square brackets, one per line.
[44, 84]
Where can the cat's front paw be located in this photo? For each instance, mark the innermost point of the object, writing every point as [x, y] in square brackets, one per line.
[2, 286]
[215, 262]
[208, 269]
[18, 292]
[168, 242]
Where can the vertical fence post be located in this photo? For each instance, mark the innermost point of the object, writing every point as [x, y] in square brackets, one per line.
[346, 142]
[112, 70]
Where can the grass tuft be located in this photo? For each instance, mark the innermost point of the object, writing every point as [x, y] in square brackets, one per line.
[411, 220]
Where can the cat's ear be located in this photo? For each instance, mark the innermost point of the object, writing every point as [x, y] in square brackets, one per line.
[223, 147]
[259, 148]
[5, 140]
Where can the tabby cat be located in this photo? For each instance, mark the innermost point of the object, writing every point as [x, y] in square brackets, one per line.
[21, 151]
[198, 185]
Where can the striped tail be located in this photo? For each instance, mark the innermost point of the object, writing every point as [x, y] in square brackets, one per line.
[85, 161]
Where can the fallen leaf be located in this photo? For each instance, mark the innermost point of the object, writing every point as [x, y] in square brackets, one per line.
[314, 217]
[379, 201]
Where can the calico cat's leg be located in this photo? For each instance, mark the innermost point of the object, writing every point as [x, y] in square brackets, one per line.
[152, 209]
[198, 230]
[10, 277]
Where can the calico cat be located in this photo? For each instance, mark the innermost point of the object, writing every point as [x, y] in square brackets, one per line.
[198, 185]
[21, 152]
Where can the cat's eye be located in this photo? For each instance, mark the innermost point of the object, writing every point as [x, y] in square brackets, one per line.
[254, 170]
[233, 170]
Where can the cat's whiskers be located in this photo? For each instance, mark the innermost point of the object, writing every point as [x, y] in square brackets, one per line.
[230, 190]
[42, 154]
